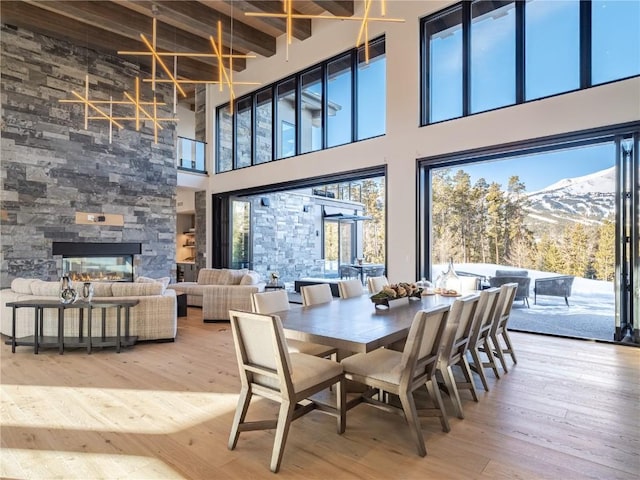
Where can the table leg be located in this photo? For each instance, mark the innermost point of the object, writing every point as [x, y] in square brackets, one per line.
[60, 331]
[37, 320]
[89, 315]
[81, 325]
[104, 324]
[13, 331]
[118, 328]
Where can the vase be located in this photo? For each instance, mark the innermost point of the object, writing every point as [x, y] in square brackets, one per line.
[67, 293]
[448, 280]
[86, 293]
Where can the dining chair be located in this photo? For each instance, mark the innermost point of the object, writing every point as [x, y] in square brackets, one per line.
[278, 301]
[350, 288]
[459, 328]
[402, 373]
[499, 327]
[376, 284]
[479, 341]
[316, 294]
[267, 369]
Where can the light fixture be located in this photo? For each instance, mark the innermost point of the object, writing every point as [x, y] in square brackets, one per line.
[364, 28]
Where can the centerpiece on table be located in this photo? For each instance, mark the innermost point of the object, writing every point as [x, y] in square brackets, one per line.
[396, 294]
[274, 278]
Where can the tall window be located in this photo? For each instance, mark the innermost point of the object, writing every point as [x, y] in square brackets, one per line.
[243, 132]
[616, 40]
[339, 101]
[493, 45]
[552, 47]
[372, 91]
[311, 111]
[225, 140]
[444, 35]
[303, 114]
[483, 55]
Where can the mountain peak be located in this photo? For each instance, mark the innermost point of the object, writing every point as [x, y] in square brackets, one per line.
[602, 181]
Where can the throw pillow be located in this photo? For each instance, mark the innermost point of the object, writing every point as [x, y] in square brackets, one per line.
[251, 278]
[164, 281]
[233, 277]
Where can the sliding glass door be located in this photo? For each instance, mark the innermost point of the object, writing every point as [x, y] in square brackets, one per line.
[563, 215]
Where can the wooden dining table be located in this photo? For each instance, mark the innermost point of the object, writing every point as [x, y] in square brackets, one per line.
[355, 324]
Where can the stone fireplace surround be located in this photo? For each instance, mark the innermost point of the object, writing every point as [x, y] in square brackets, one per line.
[96, 261]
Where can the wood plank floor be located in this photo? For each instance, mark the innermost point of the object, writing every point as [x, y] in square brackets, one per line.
[569, 410]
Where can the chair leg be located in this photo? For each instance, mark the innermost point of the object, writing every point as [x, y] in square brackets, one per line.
[566, 300]
[492, 359]
[478, 368]
[499, 353]
[509, 349]
[434, 393]
[450, 382]
[466, 371]
[341, 405]
[241, 413]
[285, 418]
[409, 407]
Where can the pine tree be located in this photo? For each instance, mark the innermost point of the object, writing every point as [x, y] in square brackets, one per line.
[495, 226]
[604, 258]
[575, 250]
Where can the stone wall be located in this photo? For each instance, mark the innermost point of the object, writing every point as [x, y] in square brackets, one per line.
[52, 167]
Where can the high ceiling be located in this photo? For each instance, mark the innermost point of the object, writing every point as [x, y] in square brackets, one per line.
[182, 26]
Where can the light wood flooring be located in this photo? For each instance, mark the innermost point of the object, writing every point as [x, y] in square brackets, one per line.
[568, 410]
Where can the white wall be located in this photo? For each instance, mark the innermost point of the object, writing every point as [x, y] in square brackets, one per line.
[186, 125]
[405, 141]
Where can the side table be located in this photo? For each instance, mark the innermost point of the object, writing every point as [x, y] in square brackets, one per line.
[274, 286]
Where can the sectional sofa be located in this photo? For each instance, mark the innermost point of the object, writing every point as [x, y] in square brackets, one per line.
[153, 318]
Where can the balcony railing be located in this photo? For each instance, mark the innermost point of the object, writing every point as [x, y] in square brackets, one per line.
[190, 155]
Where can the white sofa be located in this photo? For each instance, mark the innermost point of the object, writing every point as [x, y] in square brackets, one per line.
[153, 318]
[219, 290]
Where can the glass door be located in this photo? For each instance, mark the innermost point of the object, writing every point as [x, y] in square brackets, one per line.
[240, 234]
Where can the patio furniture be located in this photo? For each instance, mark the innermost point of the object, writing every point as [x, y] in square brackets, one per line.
[350, 288]
[303, 282]
[559, 286]
[348, 271]
[402, 373]
[276, 301]
[521, 277]
[269, 370]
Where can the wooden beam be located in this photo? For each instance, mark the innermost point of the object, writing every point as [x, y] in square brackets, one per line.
[201, 20]
[341, 8]
[301, 27]
[112, 18]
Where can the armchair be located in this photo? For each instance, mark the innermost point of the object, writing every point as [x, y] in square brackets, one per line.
[559, 286]
[521, 277]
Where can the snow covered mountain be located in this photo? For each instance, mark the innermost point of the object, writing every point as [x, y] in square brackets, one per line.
[588, 199]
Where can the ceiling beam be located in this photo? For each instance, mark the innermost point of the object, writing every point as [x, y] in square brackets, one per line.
[340, 8]
[301, 27]
[112, 18]
[199, 19]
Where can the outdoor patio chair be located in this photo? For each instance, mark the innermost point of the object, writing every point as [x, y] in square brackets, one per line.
[514, 276]
[347, 271]
[402, 373]
[350, 288]
[462, 313]
[269, 370]
[277, 301]
[559, 286]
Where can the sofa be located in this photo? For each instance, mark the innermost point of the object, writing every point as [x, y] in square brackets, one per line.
[153, 318]
[219, 290]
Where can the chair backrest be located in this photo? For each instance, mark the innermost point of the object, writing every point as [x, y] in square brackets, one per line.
[522, 283]
[375, 284]
[315, 294]
[422, 349]
[269, 302]
[469, 284]
[348, 271]
[459, 328]
[263, 357]
[512, 273]
[503, 309]
[350, 288]
[485, 313]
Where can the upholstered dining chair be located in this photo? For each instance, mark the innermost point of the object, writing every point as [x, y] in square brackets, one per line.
[461, 319]
[316, 294]
[277, 301]
[401, 373]
[350, 288]
[376, 284]
[267, 369]
[500, 321]
[479, 341]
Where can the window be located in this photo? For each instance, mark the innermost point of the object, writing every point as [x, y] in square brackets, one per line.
[552, 48]
[311, 111]
[225, 140]
[264, 126]
[333, 103]
[493, 45]
[372, 91]
[615, 38]
[482, 55]
[339, 101]
[286, 115]
[244, 130]
[444, 53]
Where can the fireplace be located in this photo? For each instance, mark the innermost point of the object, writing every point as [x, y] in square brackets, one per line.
[95, 262]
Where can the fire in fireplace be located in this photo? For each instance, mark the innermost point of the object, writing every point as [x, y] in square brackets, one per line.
[95, 262]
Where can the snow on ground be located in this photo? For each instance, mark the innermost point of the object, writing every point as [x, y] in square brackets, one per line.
[591, 305]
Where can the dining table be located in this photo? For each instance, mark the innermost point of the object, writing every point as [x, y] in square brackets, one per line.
[355, 324]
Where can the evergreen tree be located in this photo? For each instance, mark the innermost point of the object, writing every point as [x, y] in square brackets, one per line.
[372, 196]
[604, 258]
[495, 226]
[575, 250]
